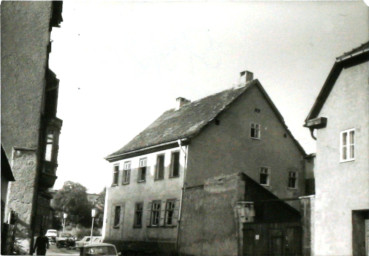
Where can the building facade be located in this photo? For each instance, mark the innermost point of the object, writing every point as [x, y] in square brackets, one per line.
[339, 119]
[29, 126]
[216, 142]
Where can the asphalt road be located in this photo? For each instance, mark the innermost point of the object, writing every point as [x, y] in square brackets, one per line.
[54, 251]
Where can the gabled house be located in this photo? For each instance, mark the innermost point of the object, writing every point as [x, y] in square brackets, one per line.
[339, 120]
[223, 147]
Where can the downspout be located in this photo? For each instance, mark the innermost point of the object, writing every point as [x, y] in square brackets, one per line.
[182, 193]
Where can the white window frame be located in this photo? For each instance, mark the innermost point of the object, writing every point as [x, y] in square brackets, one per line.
[142, 164]
[257, 128]
[268, 175]
[348, 147]
[126, 172]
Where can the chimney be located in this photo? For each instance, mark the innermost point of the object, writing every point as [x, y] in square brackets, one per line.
[180, 101]
[245, 77]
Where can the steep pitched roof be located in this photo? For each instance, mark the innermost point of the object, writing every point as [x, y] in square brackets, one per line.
[190, 119]
[185, 122]
[355, 56]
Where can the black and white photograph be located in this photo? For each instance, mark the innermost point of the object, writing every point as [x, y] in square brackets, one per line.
[185, 128]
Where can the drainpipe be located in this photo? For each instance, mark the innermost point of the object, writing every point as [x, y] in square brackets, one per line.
[182, 192]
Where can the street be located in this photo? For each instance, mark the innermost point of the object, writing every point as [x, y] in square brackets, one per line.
[54, 251]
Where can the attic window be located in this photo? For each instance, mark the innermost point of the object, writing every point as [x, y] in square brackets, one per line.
[115, 175]
[217, 122]
[347, 145]
[264, 176]
[174, 165]
[255, 131]
[257, 110]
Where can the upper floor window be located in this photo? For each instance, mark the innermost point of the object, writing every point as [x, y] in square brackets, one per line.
[292, 179]
[116, 217]
[169, 212]
[159, 171]
[174, 165]
[138, 215]
[264, 176]
[126, 172]
[155, 213]
[347, 145]
[142, 170]
[115, 175]
[255, 131]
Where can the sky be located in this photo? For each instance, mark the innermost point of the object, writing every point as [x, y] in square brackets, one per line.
[121, 64]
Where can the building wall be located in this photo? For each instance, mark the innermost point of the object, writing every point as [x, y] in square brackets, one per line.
[25, 36]
[209, 223]
[126, 236]
[227, 148]
[342, 187]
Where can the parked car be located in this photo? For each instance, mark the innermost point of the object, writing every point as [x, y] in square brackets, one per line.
[88, 240]
[65, 240]
[100, 249]
[51, 234]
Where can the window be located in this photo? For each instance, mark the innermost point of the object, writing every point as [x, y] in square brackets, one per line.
[292, 180]
[264, 176]
[142, 170]
[138, 215]
[49, 145]
[169, 212]
[174, 165]
[116, 217]
[159, 172]
[255, 131]
[347, 145]
[155, 213]
[126, 172]
[115, 175]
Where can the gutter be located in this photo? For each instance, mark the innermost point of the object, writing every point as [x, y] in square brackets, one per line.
[122, 155]
[339, 59]
[185, 152]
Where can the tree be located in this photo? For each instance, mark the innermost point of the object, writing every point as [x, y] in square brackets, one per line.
[72, 199]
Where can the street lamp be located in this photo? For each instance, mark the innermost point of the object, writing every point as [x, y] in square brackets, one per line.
[93, 215]
[65, 215]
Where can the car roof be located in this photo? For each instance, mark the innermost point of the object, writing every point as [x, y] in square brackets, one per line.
[98, 244]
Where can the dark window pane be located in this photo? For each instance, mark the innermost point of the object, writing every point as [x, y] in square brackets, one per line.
[175, 164]
[117, 216]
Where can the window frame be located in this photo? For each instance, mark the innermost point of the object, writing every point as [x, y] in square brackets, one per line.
[126, 172]
[117, 225]
[347, 146]
[257, 128]
[156, 177]
[172, 210]
[142, 167]
[295, 177]
[135, 225]
[171, 173]
[115, 175]
[155, 211]
[267, 177]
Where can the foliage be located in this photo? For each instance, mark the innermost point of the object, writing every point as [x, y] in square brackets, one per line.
[72, 199]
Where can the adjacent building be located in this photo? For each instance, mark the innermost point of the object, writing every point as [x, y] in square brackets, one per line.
[29, 126]
[339, 120]
[206, 171]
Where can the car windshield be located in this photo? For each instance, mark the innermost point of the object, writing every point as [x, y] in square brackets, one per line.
[99, 251]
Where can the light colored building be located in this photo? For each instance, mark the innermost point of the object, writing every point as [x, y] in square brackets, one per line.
[203, 148]
[340, 118]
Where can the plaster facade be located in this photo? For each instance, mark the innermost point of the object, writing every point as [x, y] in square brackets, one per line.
[227, 148]
[126, 236]
[342, 187]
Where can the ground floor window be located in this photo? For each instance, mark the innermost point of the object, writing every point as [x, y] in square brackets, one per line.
[138, 215]
[169, 212]
[116, 217]
[155, 213]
